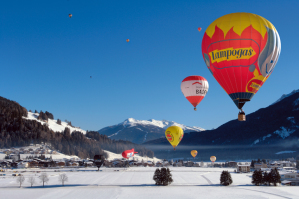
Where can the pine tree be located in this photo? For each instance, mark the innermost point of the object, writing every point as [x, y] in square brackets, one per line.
[257, 177]
[169, 176]
[164, 176]
[252, 163]
[274, 176]
[225, 178]
[156, 177]
[266, 180]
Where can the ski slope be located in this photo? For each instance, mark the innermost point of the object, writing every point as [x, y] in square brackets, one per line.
[53, 124]
[189, 182]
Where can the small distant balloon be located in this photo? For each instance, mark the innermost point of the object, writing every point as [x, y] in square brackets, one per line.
[90, 76]
[127, 40]
[199, 29]
[194, 153]
[70, 15]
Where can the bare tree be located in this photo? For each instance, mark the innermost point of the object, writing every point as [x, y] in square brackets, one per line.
[63, 178]
[31, 180]
[20, 179]
[44, 178]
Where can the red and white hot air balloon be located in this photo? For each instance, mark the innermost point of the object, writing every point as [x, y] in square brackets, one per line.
[128, 153]
[194, 89]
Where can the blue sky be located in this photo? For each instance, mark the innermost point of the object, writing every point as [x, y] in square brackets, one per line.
[47, 59]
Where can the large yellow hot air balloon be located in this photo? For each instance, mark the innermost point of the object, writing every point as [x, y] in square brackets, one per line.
[241, 51]
[194, 153]
[213, 158]
[174, 135]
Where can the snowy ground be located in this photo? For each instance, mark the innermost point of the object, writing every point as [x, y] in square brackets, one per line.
[137, 157]
[53, 124]
[138, 183]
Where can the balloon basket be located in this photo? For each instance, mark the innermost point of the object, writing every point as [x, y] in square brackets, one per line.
[195, 109]
[241, 117]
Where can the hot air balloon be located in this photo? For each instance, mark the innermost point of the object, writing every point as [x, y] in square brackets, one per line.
[174, 135]
[194, 153]
[128, 153]
[213, 158]
[127, 40]
[199, 29]
[241, 51]
[194, 89]
[70, 15]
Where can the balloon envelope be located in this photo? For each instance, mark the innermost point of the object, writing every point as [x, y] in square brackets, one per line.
[174, 134]
[70, 15]
[194, 89]
[199, 29]
[213, 158]
[194, 153]
[128, 153]
[241, 51]
[127, 40]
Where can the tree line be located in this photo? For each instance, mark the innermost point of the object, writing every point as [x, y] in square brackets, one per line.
[16, 131]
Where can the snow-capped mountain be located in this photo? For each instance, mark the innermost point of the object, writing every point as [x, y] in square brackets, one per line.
[139, 131]
[52, 124]
[264, 133]
[130, 122]
[286, 95]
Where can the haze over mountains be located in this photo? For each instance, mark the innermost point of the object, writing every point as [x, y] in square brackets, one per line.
[139, 131]
[266, 132]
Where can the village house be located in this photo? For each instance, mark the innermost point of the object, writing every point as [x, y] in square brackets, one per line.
[290, 178]
[23, 165]
[232, 164]
[258, 166]
[243, 168]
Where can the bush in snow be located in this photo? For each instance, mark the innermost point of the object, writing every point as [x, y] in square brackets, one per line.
[225, 178]
[257, 177]
[163, 177]
[59, 121]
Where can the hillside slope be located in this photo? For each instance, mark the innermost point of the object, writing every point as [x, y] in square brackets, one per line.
[265, 132]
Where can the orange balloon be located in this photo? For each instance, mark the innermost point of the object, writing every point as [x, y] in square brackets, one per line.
[70, 15]
[128, 40]
[199, 29]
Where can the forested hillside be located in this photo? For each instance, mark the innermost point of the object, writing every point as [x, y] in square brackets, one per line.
[16, 131]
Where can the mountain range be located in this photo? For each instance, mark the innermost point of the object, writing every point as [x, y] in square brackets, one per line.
[140, 131]
[267, 133]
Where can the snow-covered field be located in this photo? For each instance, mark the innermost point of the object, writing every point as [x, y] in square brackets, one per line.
[137, 182]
